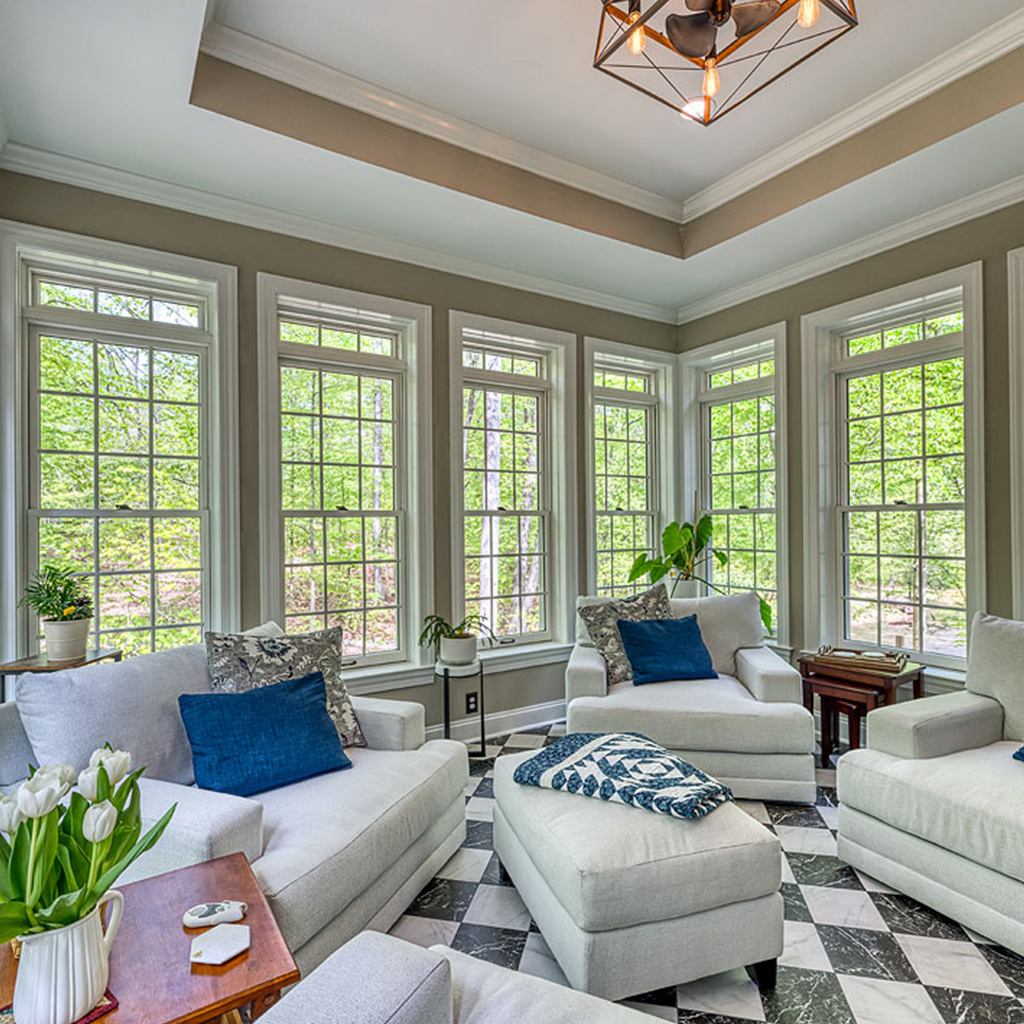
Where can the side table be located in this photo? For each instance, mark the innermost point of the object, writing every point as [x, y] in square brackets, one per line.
[449, 672]
[40, 663]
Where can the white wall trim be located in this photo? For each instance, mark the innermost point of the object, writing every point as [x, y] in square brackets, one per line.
[977, 205]
[501, 722]
[993, 42]
[818, 331]
[282, 65]
[98, 177]
[1015, 261]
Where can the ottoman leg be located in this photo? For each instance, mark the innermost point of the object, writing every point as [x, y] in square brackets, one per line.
[765, 974]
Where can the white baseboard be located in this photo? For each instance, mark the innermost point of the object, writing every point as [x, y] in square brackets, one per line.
[500, 722]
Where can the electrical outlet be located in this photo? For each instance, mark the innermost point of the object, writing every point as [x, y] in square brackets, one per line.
[471, 703]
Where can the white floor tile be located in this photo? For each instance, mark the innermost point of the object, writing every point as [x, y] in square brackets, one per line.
[872, 884]
[525, 740]
[424, 931]
[803, 948]
[806, 840]
[951, 964]
[830, 815]
[756, 810]
[657, 1012]
[849, 908]
[480, 808]
[467, 865]
[787, 872]
[731, 994]
[539, 961]
[888, 1002]
[558, 729]
[498, 906]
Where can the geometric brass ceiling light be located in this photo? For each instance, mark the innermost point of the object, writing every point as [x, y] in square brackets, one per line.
[708, 61]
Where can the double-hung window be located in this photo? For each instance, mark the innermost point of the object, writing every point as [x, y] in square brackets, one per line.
[341, 429]
[513, 454]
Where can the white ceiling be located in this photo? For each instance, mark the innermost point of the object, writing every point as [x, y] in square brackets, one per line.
[523, 69]
[107, 106]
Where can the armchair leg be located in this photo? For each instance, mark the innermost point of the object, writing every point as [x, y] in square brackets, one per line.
[765, 973]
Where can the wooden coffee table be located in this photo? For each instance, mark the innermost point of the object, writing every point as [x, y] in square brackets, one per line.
[150, 972]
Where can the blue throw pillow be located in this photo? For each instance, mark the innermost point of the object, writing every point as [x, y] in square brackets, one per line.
[246, 743]
[662, 649]
[1019, 754]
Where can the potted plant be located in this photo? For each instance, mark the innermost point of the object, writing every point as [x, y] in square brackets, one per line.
[687, 555]
[60, 599]
[63, 843]
[455, 644]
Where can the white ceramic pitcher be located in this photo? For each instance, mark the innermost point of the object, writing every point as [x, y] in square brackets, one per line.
[63, 974]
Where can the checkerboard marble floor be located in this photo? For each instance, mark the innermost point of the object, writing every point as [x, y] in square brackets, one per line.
[856, 952]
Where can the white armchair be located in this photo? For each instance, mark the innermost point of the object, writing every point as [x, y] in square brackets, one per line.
[748, 728]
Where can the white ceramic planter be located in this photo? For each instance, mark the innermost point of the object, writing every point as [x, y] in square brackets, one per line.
[62, 974]
[66, 641]
[684, 588]
[458, 650]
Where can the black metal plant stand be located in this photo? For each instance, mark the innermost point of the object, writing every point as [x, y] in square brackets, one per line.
[449, 672]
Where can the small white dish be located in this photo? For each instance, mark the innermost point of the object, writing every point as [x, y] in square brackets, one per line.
[220, 944]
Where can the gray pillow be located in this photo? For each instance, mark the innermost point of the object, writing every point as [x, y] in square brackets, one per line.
[132, 705]
[602, 622]
[240, 662]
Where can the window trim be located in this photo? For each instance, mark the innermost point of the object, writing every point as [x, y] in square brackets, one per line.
[26, 248]
[414, 444]
[696, 362]
[1015, 267]
[664, 367]
[821, 333]
[560, 350]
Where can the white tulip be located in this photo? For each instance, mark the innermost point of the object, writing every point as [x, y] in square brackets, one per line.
[88, 783]
[10, 815]
[40, 794]
[63, 773]
[99, 821]
[116, 763]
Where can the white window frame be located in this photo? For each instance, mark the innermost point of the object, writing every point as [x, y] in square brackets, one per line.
[763, 343]
[559, 350]
[821, 338]
[662, 367]
[25, 249]
[413, 484]
[1015, 266]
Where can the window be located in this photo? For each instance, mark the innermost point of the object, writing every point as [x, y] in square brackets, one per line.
[512, 464]
[122, 481]
[736, 410]
[630, 460]
[895, 468]
[344, 440]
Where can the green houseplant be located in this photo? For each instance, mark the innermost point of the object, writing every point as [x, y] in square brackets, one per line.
[455, 644]
[64, 841]
[687, 555]
[59, 597]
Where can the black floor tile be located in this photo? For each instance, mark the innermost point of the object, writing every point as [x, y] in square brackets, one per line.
[818, 869]
[798, 815]
[806, 997]
[479, 835]
[796, 905]
[1009, 966]
[959, 1007]
[866, 954]
[906, 916]
[503, 946]
[444, 899]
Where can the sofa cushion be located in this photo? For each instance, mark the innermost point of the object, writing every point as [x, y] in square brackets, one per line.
[602, 619]
[727, 624]
[612, 867]
[995, 668]
[132, 705]
[970, 802]
[326, 839]
[698, 714]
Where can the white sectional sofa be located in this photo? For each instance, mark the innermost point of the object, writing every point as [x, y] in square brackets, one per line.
[748, 728]
[334, 854]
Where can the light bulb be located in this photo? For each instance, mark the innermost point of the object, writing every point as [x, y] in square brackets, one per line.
[637, 39]
[711, 81]
[809, 11]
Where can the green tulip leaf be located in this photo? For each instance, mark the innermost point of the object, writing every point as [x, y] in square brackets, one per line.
[13, 920]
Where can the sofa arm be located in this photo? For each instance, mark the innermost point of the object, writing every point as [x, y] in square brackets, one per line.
[768, 677]
[391, 724]
[376, 979]
[586, 675]
[935, 726]
[204, 826]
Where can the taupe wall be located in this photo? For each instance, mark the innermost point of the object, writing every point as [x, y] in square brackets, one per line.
[35, 201]
[987, 239]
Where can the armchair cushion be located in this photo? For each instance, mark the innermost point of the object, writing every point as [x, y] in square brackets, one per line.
[391, 724]
[586, 675]
[995, 667]
[935, 726]
[727, 624]
[768, 677]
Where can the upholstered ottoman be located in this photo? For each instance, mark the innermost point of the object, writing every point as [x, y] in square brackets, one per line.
[630, 901]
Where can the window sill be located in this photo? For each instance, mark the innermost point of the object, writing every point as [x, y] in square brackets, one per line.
[381, 678]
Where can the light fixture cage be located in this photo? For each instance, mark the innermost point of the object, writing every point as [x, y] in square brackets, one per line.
[746, 65]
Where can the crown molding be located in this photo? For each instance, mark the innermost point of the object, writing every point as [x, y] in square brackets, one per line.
[72, 171]
[988, 201]
[272, 61]
[988, 46]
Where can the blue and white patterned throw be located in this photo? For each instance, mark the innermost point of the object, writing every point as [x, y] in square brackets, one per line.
[624, 768]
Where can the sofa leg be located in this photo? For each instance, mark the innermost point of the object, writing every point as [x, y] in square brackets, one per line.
[765, 974]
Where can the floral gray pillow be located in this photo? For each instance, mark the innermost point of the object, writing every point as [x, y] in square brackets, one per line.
[240, 662]
[602, 622]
